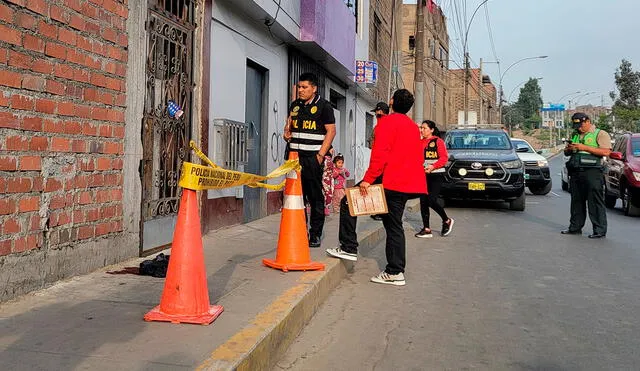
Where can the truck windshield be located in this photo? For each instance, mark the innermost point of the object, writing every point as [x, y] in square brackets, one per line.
[475, 140]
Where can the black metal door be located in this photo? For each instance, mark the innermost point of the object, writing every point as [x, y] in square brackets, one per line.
[166, 128]
[253, 205]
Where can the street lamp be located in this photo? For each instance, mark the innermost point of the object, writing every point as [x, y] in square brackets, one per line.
[575, 102]
[505, 72]
[568, 94]
[466, 65]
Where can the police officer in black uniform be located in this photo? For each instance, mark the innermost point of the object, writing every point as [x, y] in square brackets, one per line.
[587, 148]
[310, 129]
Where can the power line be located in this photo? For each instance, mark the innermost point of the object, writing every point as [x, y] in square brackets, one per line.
[493, 46]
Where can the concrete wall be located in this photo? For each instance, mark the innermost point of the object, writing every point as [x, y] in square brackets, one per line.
[236, 39]
[62, 141]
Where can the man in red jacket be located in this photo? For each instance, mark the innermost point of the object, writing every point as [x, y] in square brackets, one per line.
[398, 151]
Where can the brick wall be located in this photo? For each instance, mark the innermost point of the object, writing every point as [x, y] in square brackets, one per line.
[382, 52]
[62, 108]
[435, 70]
[456, 102]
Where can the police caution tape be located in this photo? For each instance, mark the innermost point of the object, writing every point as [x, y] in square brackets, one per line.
[199, 178]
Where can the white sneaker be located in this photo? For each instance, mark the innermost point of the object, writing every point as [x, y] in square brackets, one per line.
[389, 279]
[337, 252]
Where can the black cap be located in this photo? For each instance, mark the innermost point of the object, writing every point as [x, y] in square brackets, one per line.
[578, 118]
[382, 106]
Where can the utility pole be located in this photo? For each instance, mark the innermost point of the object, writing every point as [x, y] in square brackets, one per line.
[394, 55]
[481, 93]
[466, 89]
[418, 109]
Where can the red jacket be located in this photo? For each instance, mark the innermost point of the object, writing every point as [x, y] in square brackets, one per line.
[398, 155]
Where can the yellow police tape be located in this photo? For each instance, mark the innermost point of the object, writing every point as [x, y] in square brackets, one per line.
[200, 178]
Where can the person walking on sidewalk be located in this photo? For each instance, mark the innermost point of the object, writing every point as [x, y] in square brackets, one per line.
[435, 157]
[340, 175]
[587, 149]
[310, 130]
[397, 150]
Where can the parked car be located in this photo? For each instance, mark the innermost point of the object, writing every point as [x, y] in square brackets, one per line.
[483, 165]
[536, 167]
[622, 174]
[564, 175]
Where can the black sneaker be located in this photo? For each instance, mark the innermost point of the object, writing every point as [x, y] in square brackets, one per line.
[424, 233]
[447, 227]
[314, 241]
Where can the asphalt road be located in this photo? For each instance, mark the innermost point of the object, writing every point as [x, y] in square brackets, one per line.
[505, 291]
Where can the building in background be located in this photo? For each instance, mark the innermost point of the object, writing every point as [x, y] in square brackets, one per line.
[482, 99]
[436, 60]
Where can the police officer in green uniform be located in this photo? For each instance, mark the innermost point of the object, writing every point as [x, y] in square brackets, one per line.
[587, 149]
[310, 129]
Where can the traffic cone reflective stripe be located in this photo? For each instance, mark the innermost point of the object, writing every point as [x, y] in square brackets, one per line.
[293, 246]
[185, 298]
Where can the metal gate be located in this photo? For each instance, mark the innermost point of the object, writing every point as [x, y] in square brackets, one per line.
[166, 128]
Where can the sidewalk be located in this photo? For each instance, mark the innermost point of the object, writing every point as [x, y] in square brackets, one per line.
[95, 321]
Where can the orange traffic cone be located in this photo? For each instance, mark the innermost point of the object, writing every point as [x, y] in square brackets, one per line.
[185, 298]
[293, 246]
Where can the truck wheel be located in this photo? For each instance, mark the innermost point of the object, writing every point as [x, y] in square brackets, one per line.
[518, 204]
[541, 190]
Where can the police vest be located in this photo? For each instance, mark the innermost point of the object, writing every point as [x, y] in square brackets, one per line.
[307, 128]
[431, 154]
[583, 159]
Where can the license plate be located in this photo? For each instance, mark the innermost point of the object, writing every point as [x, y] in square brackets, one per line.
[527, 176]
[476, 186]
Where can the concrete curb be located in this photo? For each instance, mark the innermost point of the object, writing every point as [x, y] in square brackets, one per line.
[269, 334]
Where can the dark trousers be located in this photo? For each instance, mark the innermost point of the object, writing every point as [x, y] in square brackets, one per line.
[434, 185]
[311, 176]
[392, 221]
[347, 235]
[587, 192]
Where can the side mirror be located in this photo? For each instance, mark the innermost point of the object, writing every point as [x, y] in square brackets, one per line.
[522, 149]
[615, 156]
[539, 151]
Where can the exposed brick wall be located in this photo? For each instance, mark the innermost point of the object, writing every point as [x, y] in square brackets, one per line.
[435, 71]
[380, 53]
[456, 88]
[62, 107]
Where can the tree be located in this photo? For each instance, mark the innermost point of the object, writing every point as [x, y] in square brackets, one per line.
[604, 123]
[530, 99]
[626, 106]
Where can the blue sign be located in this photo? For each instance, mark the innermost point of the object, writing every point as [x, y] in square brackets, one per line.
[366, 72]
[553, 107]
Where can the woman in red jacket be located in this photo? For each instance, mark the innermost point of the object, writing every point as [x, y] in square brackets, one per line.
[435, 157]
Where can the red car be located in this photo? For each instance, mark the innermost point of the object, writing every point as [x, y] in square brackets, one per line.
[622, 174]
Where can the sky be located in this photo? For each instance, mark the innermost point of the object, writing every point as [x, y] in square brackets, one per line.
[585, 41]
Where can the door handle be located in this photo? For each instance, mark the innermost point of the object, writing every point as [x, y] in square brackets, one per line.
[253, 125]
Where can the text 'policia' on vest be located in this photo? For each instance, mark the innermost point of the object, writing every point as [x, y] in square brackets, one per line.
[307, 125]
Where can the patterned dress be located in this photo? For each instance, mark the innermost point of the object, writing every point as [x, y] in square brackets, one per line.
[327, 184]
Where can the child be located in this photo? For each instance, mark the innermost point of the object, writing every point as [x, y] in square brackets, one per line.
[327, 182]
[340, 175]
